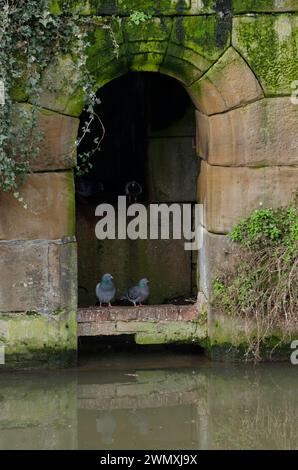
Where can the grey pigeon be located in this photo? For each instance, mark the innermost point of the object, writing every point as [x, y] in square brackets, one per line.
[137, 294]
[105, 290]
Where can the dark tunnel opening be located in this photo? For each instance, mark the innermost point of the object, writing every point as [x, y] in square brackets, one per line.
[153, 120]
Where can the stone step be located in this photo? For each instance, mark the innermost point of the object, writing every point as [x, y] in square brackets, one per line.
[153, 324]
[151, 313]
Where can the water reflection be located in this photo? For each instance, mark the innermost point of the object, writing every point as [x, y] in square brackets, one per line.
[38, 412]
[107, 404]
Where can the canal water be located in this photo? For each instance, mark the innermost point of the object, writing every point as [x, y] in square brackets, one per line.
[163, 400]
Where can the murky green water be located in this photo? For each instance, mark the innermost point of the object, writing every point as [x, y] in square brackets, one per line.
[156, 401]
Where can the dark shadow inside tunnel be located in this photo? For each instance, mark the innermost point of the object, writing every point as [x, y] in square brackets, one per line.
[148, 155]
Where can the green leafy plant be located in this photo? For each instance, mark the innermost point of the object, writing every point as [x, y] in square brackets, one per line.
[31, 39]
[138, 17]
[263, 286]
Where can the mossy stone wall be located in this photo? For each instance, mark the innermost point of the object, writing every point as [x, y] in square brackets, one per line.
[184, 39]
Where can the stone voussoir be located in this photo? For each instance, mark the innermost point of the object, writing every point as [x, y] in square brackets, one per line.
[194, 46]
[227, 84]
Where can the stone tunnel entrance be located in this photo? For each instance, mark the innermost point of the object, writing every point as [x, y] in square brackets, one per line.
[149, 123]
[247, 140]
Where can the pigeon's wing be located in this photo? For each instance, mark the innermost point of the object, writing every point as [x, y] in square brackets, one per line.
[144, 293]
[105, 293]
[97, 290]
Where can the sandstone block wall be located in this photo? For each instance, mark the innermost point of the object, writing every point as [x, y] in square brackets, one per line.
[238, 62]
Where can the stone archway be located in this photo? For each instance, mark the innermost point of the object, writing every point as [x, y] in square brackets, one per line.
[246, 138]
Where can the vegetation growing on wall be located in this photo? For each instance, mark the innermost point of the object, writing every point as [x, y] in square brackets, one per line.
[264, 285]
[31, 38]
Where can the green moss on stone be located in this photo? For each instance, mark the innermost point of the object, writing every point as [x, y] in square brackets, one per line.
[39, 339]
[18, 88]
[61, 88]
[171, 332]
[196, 43]
[84, 7]
[231, 338]
[18, 93]
[245, 6]
[270, 46]
[205, 35]
[146, 45]
[126, 7]
[272, 349]
[104, 62]
[156, 7]
[32, 313]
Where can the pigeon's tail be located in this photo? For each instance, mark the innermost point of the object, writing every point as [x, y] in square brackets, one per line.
[128, 298]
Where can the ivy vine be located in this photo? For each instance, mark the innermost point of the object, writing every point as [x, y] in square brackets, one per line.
[31, 38]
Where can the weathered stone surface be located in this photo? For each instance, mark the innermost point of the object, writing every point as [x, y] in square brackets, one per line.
[161, 7]
[50, 208]
[150, 325]
[269, 44]
[39, 340]
[155, 259]
[172, 161]
[188, 333]
[147, 45]
[196, 43]
[262, 133]
[60, 90]
[217, 254]
[58, 150]
[246, 6]
[38, 302]
[37, 276]
[105, 61]
[148, 313]
[168, 7]
[58, 134]
[124, 7]
[228, 84]
[230, 338]
[18, 85]
[231, 194]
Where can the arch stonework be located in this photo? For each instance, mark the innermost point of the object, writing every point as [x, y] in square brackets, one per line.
[246, 139]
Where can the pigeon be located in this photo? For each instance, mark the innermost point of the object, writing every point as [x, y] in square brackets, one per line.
[137, 294]
[133, 190]
[105, 290]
